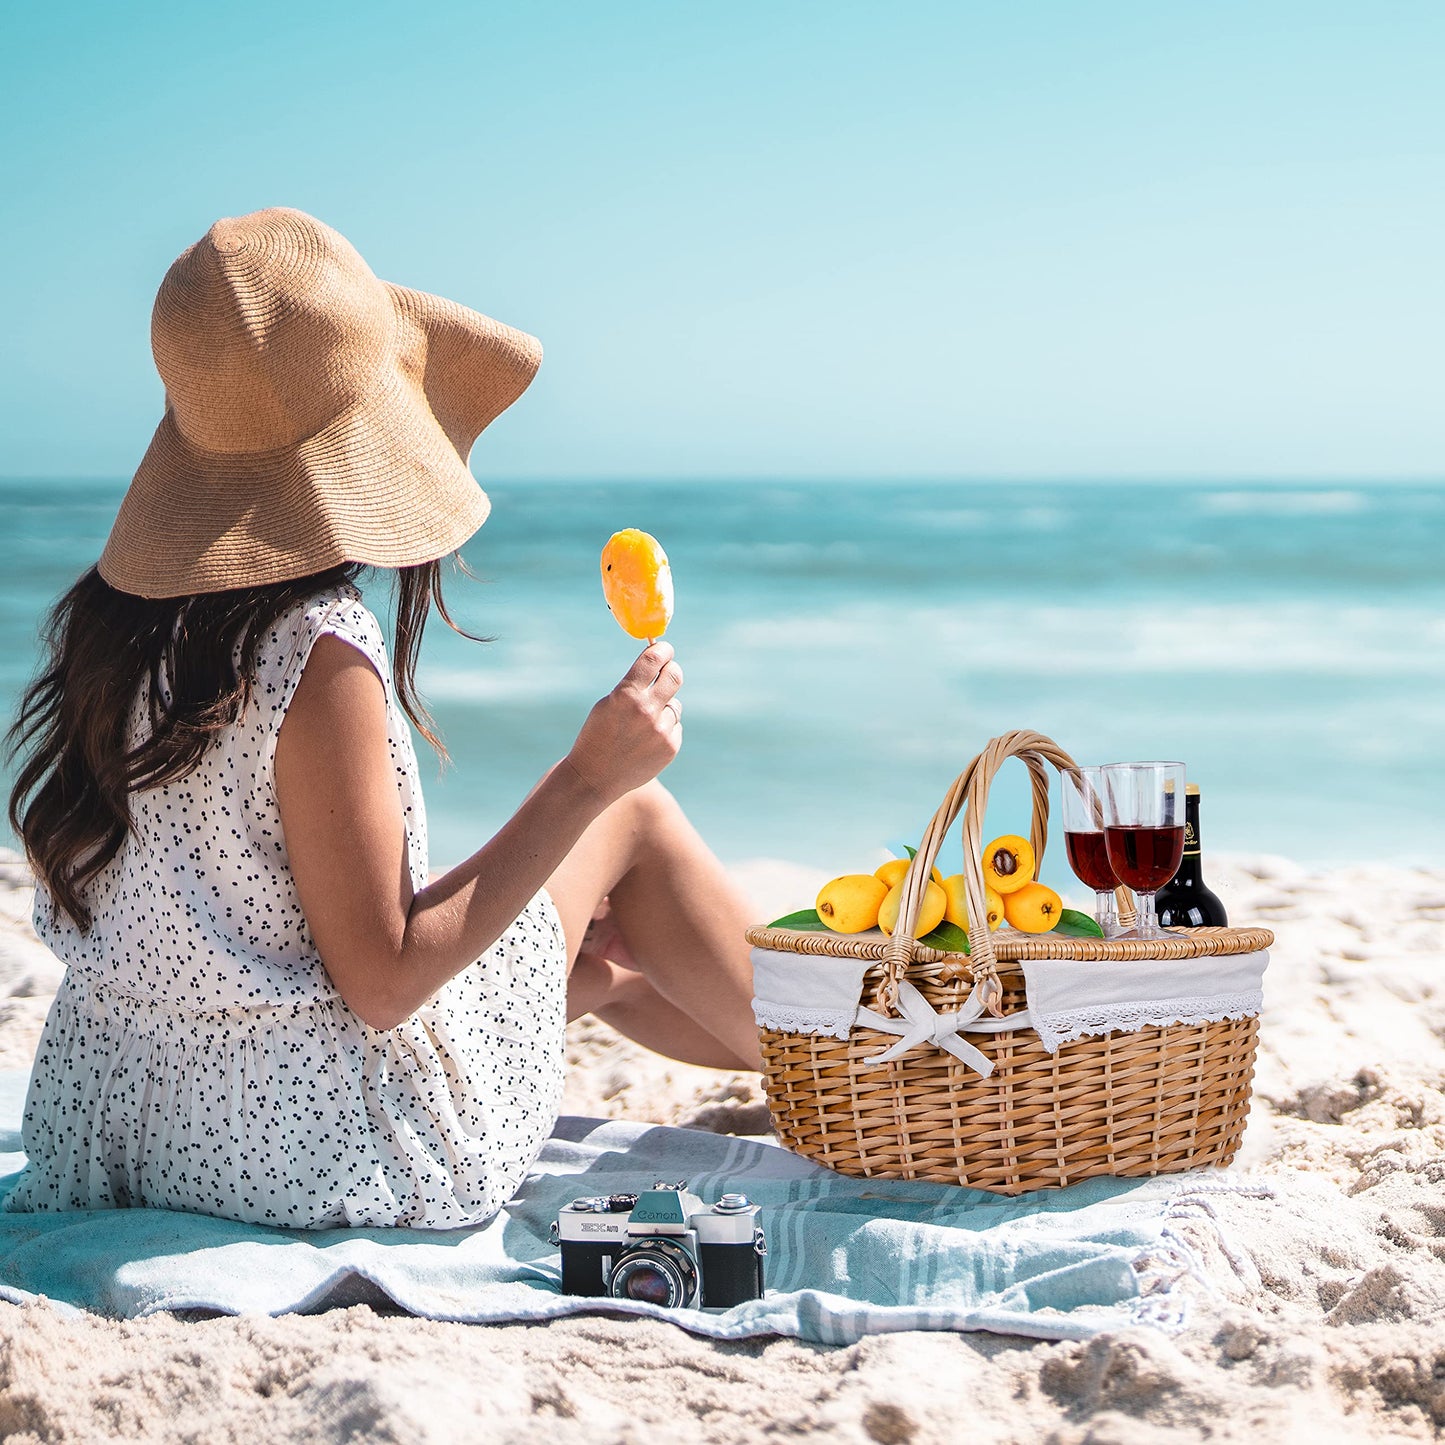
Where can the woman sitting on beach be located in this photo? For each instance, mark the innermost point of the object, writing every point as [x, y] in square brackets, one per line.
[269, 1013]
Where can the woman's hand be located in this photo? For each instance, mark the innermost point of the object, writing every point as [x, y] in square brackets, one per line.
[634, 732]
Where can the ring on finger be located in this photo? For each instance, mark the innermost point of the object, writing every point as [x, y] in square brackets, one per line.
[675, 706]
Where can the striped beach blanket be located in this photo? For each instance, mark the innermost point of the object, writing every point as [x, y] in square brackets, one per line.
[846, 1257]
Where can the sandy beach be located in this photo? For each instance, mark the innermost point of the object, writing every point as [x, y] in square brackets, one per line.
[1321, 1316]
[915, 376]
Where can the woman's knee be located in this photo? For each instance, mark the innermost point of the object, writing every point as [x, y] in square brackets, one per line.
[648, 814]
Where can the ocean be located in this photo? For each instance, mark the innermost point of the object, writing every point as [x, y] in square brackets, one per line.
[849, 646]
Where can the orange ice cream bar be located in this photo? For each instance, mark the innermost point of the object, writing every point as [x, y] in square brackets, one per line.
[637, 583]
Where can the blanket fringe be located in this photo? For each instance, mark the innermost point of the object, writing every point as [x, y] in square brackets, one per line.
[1167, 1268]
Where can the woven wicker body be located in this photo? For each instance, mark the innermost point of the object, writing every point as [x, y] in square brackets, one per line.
[1151, 1101]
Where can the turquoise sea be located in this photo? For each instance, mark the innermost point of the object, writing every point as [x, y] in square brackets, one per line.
[849, 646]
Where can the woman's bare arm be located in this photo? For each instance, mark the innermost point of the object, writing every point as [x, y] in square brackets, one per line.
[386, 949]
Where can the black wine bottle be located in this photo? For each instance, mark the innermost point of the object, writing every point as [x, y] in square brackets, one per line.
[1185, 901]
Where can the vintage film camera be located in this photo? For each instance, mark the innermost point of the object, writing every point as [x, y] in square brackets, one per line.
[664, 1246]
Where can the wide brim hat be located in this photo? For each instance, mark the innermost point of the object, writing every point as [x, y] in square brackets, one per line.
[314, 415]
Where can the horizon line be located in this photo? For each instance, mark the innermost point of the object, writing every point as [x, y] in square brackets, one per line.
[962, 479]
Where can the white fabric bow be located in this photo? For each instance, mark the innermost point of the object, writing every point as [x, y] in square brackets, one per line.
[922, 1023]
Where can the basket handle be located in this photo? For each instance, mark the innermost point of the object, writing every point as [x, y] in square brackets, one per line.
[969, 795]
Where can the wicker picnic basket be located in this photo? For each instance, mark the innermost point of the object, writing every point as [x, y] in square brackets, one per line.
[1150, 1101]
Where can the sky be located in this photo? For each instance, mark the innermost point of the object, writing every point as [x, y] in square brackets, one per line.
[768, 240]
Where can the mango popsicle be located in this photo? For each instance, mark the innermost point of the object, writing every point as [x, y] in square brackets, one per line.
[637, 583]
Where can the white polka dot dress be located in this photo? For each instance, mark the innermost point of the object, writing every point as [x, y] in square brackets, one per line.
[197, 1055]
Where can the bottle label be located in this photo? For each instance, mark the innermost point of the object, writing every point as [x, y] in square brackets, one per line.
[1191, 841]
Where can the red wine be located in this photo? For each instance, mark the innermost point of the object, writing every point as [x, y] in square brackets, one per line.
[1185, 902]
[1144, 858]
[1089, 859]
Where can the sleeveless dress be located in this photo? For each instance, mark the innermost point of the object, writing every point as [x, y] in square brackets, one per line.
[197, 1055]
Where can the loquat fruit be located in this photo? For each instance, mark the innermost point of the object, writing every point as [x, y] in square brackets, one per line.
[895, 869]
[1008, 863]
[994, 912]
[1033, 908]
[850, 904]
[930, 913]
[957, 910]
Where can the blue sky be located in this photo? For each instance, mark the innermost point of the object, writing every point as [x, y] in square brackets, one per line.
[777, 239]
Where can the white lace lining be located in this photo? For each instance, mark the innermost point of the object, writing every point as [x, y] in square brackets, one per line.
[1053, 1029]
[1063, 1028]
[835, 1023]
[801, 993]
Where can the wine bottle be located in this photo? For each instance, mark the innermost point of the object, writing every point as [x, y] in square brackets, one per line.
[1185, 901]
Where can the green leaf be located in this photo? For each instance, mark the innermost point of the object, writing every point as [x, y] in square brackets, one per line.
[912, 852]
[946, 938]
[1073, 924]
[804, 921]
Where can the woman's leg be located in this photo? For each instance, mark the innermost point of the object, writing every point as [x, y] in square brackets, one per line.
[681, 918]
[628, 1002]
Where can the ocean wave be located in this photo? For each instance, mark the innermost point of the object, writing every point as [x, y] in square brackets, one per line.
[1267, 502]
[1237, 638]
[847, 654]
[1005, 518]
[497, 681]
[953, 519]
[754, 553]
[468, 687]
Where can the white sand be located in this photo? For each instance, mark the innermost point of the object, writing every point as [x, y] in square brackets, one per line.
[1327, 1320]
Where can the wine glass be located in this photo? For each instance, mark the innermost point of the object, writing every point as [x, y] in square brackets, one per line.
[1082, 790]
[1144, 832]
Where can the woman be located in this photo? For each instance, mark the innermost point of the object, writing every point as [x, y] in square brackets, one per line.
[269, 1013]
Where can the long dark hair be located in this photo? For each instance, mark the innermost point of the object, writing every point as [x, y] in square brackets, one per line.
[71, 800]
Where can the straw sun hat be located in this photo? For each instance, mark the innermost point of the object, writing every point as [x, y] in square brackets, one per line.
[314, 415]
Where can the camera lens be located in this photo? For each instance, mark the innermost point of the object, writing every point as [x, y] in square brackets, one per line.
[656, 1273]
[648, 1283]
